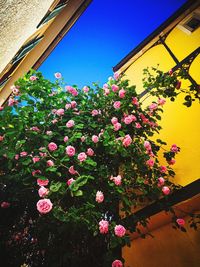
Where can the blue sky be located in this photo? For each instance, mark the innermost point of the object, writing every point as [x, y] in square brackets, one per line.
[106, 32]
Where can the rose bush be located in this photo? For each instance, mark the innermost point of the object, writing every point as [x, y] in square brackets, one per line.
[73, 164]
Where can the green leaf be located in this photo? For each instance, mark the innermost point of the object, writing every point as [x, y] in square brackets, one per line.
[78, 193]
[54, 187]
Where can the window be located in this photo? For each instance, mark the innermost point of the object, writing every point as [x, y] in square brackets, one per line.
[191, 23]
[51, 14]
[26, 48]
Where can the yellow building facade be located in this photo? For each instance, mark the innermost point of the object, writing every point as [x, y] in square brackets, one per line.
[175, 44]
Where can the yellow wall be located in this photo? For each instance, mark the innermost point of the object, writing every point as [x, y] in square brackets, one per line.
[169, 248]
[180, 124]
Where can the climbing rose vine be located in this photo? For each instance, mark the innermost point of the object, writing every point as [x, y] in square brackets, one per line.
[74, 162]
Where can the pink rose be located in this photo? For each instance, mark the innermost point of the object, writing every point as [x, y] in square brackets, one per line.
[70, 151]
[36, 159]
[67, 106]
[72, 170]
[52, 146]
[44, 206]
[116, 75]
[12, 102]
[58, 75]
[135, 101]
[117, 126]
[70, 181]
[153, 106]
[161, 181]
[83, 138]
[174, 148]
[82, 156]
[150, 162]
[66, 138]
[161, 101]
[41, 182]
[54, 121]
[70, 124]
[114, 120]
[43, 191]
[23, 154]
[73, 104]
[105, 86]
[17, 156]
[106, 92]
[95, 112]
[117, 180]
[117, 104]
[1, 108]
[165, 190]
[33, 78]
[35, 129]
[1, 138]
[103, 226]
[117, 263]
[99, 197]
[180, 222]
[147, 145]
[128, 119]
[115, 88]
[171, 161]
[119, 230]
[15, 90]
[127, 140]
[90, 152]
[50, 163]
[5, 205]
[163, 169]
[60, 112]
[122, 93]
[85, 89]
[49, 132]
[95, 138]
[138, 125]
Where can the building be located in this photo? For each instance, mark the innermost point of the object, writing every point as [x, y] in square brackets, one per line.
[175, 44]
[29, 39]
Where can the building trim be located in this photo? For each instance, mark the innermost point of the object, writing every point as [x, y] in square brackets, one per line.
[165, 27]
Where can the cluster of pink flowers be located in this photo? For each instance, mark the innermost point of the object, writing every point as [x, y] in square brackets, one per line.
[128, 119]
[60, 112]
[12, 102]
[71, 90]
